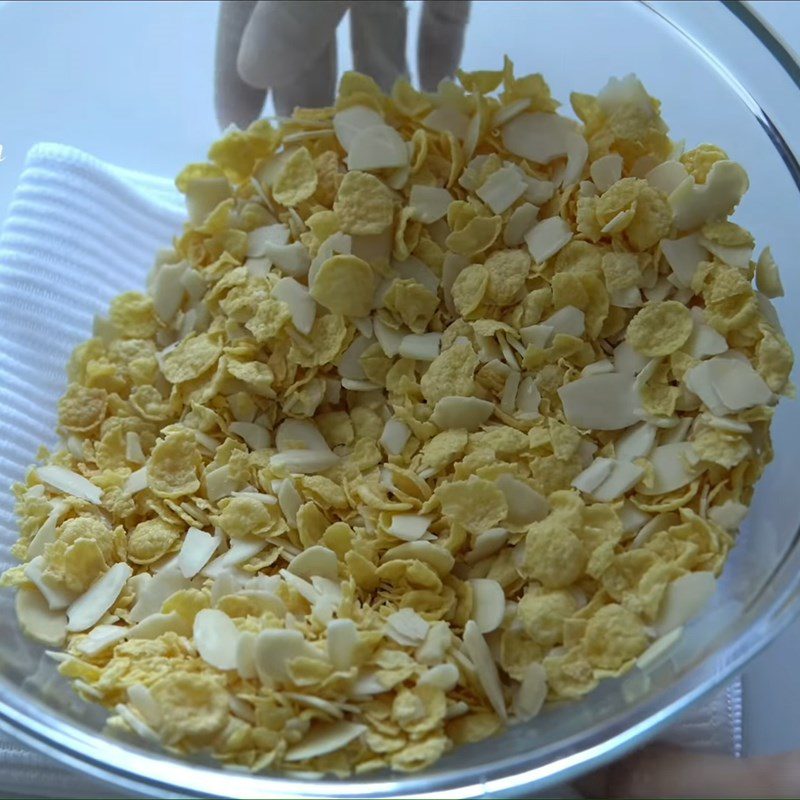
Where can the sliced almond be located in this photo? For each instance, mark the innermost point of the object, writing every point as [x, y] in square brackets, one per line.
[256, 437]
[729, 515]
[468, 413]
[444, 119]
[410, 527]
[155, 625]
[442, 676]
[768, 277]
[259, 239]
[605, 402]
[216, 638]
[434, 555]
[488, 604]
[196, 551]
[622, 478]
[684, 599]
[532, 692]
[325, 737]
[594, 475]
[667, 176]
[694, 204]
[389, 338]
[395, 436]
[486, 544]
[421, 346]
[569, 320]
[302, 305]
[481, 657]
[502, 188]
[289, 500]
[275, 647]
[142, 700]
[636, 442]
[316, 560]
[734, 256]
[429, 203]
[525, 504]
[671, 468]
[547, 237]
[406, 627]
[342, 643]
[377, 147]
[606, 171]
[90, 607]
[528, 398]
[241, 550]
[658, 649]
[58, 598]
[351, 121]
[69, 482]
[294, 434]
[538, 137]
[522, 219]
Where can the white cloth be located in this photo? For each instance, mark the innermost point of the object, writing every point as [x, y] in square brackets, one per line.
[79, 232]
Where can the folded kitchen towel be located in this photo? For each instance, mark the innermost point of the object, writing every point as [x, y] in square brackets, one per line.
[78, 232]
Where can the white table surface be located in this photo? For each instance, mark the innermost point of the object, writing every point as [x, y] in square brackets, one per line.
[34, 73]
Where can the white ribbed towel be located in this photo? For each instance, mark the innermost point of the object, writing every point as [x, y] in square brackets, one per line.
[80, 231]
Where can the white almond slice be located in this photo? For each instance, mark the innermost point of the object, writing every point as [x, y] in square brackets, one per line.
[316, 560]
[204, 195]
[421, 346]
[436, 645]
[413, 269]
[626, 298]
[502, 188]
[429, 203]
[598, 367]
[133, 448]
[38, 620]
[538, 137]
[350, 122]
[157, 590]
[733, 256]
[196, 551]
[528, 398]
[486, 544]
[671, 468]
[99, 598]
[537, 336]
[577, 154]
[388, 338]
[442, 676]
[704, 340]
[632, 518]
[256, 437]
[275, 647]
[216, 638]
[684, 599]
[259, 239]
[335, 711]
[57, 597]
[623, 477]
[660, 522]
[481, 657]
[508, 399]
[395, 436]
[569, 320]
[359, 386]
[547, 237]
[141, 698]
[693, 204]
[605, 402]
[365, 327]
[336, 243]
[768, 311]
[444, 119]
[684, 256]
[625, 91]
[302, 305]
[587, 189]
[47, 531]
[69, 482]
[219, 483]
[594, 475]
[635, 443]
[488, 604]
[294, 434]
[525, 504]
[377, 147]
[246, 656]
[468, 413]
[99, 638]
[507, 113]
[531, 693]
[406, 627]
[434, 555]
[667, 176]
[539, 192]
[241, 550]
[768, 277]
[620, 221]
[522, 219]
[304, 462]
[606, 171]
[661, 290]
[727, 424]
[659, 648]
[729, 515]
[195, 285]
[289, 500]
[409, 527]
[349, 365]
[167, 290]
[293, 259]
[737, 384]
[342, 643]
[323, 738]
[627, 361]
[698, 381]
[156, 625]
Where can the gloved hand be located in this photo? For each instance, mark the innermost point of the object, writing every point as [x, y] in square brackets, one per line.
[289, 48]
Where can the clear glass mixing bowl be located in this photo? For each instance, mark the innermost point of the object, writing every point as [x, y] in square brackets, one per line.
[723, 78]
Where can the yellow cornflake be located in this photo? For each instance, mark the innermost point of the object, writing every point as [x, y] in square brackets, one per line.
[660, 328]
[368, 485]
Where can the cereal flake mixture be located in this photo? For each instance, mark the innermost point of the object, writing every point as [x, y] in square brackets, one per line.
[440, 408]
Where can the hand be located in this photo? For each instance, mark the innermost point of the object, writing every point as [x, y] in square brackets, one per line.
[661, 771]
[289, 48]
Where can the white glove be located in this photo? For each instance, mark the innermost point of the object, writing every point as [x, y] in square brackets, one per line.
[289, 48]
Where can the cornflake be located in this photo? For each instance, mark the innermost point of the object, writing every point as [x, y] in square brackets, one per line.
[442, 407]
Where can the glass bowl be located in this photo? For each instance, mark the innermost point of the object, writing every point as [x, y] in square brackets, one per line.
[722, 77]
